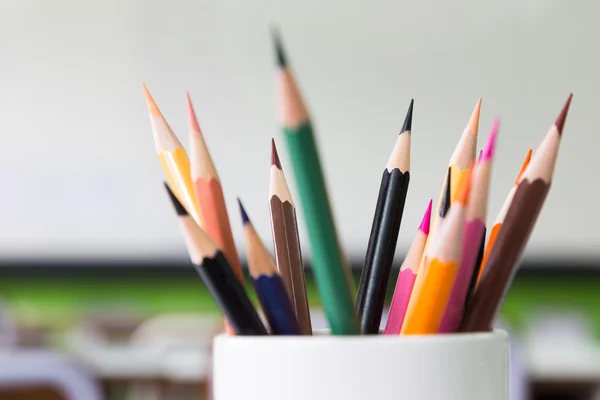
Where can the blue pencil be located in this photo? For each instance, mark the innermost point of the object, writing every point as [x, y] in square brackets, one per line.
[269, 287]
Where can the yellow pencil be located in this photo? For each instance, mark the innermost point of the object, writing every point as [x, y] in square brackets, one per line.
[173, 159]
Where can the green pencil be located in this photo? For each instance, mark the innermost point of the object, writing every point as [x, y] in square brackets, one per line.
[332, 275]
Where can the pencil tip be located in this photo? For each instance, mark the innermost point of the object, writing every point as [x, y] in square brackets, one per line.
[179, 208]
[245, 219]
[194, 126]
[524, 166]
[426, 221]
[473, 124]
[279, 53]
[445, 206]
[488, 151]
[274, 155]
[562, 117]
[152, 107]
[407, 125]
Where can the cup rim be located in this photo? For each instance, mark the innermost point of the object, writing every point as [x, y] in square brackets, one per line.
[323, 336]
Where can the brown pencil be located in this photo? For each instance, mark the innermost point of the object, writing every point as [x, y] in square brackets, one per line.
[288, 254]
[514, 234]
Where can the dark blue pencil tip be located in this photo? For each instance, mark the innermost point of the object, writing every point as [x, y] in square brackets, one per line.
[407, 125]
[245, 219]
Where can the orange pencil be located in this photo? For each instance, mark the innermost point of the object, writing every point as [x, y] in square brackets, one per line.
[502, 213]
[461, 161]
[173, 159]
[209, 194]
[442, 266]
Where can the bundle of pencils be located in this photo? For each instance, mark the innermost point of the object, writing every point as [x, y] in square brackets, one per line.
[451, 279]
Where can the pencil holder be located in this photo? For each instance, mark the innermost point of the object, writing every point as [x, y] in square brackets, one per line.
[433, 367]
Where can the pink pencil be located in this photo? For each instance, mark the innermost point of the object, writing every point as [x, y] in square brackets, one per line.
[474, 231]
[407, 276]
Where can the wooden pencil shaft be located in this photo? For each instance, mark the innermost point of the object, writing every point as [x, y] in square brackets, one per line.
[365, 275]
[276, 303]
[289, 258]
[383, 255]
[504, 257]
[230, 296]
[328, 265]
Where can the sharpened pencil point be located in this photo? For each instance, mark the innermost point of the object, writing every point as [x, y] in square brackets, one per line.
[426, 221]
[274, 155]
[245, 219]
[179, 208]
[562, 117]
[473, 124]
[407, 125]
[488, 151]
[524, 166]
[279, 53]
[194, 126]
[445, 206]
[152, 107]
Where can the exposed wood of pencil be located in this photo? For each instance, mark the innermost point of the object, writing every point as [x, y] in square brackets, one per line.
[515, 232]
[209, 194]
[332, 274]
[502, 214]
[382, 244]
[269, 287]
[463, 156]
[473, 232]
[421, 270]
[173, 159]
[443, 263]
[407, 275]
[215, 271]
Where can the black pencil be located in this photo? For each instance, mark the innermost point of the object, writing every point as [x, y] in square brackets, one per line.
[216, 273]
[384, 231]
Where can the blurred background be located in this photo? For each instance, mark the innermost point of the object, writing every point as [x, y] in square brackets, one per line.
[97, 296]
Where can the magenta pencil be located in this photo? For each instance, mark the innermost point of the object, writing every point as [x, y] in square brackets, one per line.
[474, 231]
[407, 276]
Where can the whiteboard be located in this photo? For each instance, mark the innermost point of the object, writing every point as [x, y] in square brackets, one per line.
[81, 178]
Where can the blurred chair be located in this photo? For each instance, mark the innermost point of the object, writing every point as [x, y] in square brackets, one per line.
[43, 375]
[184, 343]
[8, 328]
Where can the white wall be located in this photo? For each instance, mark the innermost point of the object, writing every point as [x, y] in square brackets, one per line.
[77, 162]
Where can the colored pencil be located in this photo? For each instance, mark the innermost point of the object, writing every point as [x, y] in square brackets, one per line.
[406, 276]
[473, 233]
[459, 165]
[518, 224]
[463, 156]
[443, 263]
[173, 159]
[332, 275]
[286, 241]
[502, 214]
[384, 232]
[268, 284]
[442, 212]
[209, 193]
[217, 275]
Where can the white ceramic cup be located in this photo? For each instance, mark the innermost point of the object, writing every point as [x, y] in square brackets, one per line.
[432, 367]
